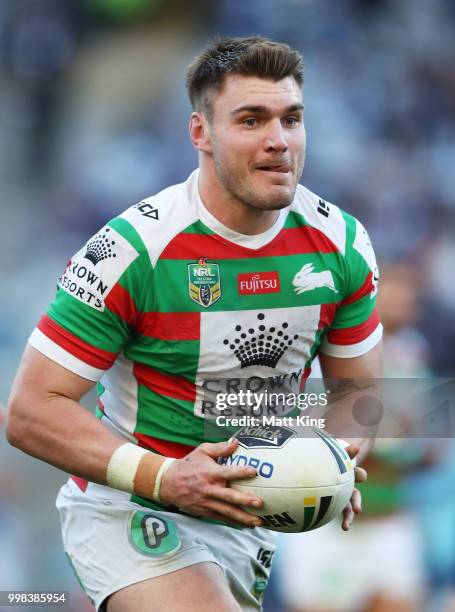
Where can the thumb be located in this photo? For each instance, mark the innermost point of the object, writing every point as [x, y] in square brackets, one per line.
[222, 449]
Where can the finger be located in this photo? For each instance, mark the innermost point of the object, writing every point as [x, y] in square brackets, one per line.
[214, 516]
[235, 497]
[352, 450]
[348, 517]
[236, 472]
[220, 449]
[360, 474]
[356, 501]
[232, 513]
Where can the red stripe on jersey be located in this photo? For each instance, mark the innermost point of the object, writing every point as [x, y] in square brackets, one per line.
[327, 314]
[164, 447]
[364, 290]
[92, 355]
[176, 387]
[290, 241]
[101, 405]
[306, 373]
[121, 303]
[81, 483]
[170, 325]
[355, 334]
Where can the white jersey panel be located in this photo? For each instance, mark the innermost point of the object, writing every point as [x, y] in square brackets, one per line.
[322, 215]
[272, 345]
[120, 396]
[161, 217]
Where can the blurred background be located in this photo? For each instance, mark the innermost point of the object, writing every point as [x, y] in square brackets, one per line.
[93, 117]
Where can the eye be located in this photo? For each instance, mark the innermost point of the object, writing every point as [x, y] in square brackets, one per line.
[291, 121]
[250, 121]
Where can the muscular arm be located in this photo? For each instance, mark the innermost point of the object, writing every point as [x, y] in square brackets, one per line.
[46, 421]
[353, 379]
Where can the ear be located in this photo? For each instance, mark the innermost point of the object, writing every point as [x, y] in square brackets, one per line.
[200, 135]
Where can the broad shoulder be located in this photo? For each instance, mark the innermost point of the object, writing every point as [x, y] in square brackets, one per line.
[342, 228]
[154, 221]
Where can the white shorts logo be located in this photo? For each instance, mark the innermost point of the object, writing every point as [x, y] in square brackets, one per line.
[307, 280]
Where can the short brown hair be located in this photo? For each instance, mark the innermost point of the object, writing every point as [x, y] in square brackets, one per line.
[253, 56]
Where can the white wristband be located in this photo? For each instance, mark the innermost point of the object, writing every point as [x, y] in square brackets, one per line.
[159, 477]
[122, 466]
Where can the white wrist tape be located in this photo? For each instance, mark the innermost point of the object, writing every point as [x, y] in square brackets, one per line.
[122, 467]
[159, 477]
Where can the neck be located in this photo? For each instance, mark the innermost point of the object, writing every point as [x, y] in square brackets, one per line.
[229, 210]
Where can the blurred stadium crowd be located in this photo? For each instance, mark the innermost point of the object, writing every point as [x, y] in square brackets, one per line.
[93, 118]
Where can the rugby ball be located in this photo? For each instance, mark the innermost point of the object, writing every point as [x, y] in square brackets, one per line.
[304, 479]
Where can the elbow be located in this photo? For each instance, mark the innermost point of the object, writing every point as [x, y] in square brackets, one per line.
[15, 424]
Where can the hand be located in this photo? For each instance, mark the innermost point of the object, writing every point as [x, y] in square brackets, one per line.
[355, 503]
[198, 485]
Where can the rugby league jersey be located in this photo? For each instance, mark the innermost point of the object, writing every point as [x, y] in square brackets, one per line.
[165, 304]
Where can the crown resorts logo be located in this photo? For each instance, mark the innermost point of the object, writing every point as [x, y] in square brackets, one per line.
[261, 346]
[100, 248]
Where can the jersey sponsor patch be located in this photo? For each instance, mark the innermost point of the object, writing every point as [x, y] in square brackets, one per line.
[151, 535]
[264, 437]
[253, 350]
[91, 274]
[251, 283]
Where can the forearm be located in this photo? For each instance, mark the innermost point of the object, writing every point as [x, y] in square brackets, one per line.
[354, 414]
[46, 421]
[355, 408]
[61, 432]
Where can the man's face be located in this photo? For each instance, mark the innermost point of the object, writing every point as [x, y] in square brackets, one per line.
[258, 140]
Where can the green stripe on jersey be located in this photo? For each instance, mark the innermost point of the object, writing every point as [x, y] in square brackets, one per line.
[173, 275]
[354, 314]
[103, 330]
[123, 227]
[198, 228]
[294, 219]
[180, 357]
[167, 418]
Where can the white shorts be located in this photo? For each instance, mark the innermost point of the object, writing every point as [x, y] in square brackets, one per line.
[112, 542]
[330, 568]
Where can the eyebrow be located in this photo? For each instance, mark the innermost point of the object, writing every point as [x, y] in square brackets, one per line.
[263, 109]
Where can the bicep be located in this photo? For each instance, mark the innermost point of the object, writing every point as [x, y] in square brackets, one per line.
[41, 378]
[365, 366]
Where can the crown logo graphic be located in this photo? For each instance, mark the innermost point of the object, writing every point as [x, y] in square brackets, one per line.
[100, 248]
[262, 346]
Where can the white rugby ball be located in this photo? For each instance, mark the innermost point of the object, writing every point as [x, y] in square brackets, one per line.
[305, 482]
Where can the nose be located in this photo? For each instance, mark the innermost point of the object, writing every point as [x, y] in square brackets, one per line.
[276, 138]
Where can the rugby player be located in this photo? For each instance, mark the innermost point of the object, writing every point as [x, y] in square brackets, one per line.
[239, 273]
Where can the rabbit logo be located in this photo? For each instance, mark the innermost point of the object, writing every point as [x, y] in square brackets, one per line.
[307, 280]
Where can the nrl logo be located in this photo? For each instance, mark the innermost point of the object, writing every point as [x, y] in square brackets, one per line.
[204, 282]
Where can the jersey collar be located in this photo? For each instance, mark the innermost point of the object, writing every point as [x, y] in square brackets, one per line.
[252, 242]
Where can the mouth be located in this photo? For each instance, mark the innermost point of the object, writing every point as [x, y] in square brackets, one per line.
[280, 168]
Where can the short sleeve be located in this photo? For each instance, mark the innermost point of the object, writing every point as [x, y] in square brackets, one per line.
[96, 304]
[356, 327]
